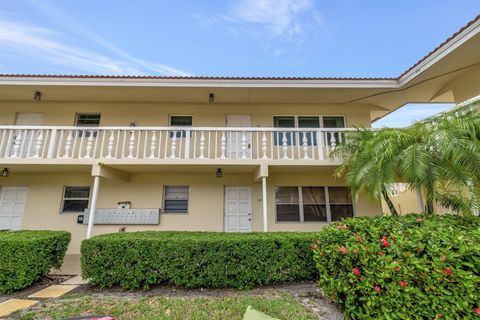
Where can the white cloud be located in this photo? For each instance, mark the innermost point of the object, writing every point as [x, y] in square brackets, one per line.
[44, 44]
[83, 32]
[278, 17]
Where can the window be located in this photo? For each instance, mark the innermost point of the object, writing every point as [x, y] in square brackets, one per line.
[304, 122]
[75, 199]
[340, 203]
[313, 204]
[287, 201]
[87, 120]
[175, 199]
[180, 121]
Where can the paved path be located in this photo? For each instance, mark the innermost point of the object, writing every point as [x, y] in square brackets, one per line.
[10, 306]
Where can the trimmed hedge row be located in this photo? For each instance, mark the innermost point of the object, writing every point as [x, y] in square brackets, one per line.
[197, 259]
[26, 256]
[409, 267]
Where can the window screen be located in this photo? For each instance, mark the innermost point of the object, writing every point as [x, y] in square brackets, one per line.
[175, 199]
[314, 204]
[340, 203]
[75, 199]
[180, 121]
[87, 119]
[284, 122]
[287, 202]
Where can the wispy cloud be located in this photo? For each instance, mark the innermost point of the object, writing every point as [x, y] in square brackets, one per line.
[278, 17]
[277, 20]
[81, 31]
[74, 47]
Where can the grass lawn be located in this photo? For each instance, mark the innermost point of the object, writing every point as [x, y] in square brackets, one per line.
[282, 306]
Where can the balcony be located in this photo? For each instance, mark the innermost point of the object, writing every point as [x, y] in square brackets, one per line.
[28, 144]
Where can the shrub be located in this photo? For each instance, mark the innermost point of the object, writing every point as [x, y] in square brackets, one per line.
[197, 259]
[26, 256]
[409, 267]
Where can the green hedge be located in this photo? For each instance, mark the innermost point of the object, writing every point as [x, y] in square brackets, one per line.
[26, 256]
[197, 259]
[410, 267]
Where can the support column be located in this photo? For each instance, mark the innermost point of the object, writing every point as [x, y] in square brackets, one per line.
[264, 204]
[93, 206]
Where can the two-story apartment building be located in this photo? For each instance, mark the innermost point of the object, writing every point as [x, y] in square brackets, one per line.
[199, 153]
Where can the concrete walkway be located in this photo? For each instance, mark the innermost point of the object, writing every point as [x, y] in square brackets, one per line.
[71, 266]
[54, 291]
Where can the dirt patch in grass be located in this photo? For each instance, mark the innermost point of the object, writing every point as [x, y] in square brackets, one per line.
[296, 301]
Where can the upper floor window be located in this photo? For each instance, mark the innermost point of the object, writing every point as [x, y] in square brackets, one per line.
[180, 121]
[313, 204]
[303, 122]
[87, 119]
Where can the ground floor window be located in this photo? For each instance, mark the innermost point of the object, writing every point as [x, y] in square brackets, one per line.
[75, 199]
[313, 204]
[175, 199]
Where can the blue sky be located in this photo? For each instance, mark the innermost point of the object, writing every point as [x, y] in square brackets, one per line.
[227, 37]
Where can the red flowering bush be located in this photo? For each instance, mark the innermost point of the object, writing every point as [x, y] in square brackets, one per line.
[409, 267]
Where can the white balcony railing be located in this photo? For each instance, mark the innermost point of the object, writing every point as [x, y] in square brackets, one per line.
[158, 143]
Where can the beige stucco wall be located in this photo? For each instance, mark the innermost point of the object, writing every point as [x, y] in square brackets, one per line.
[157, 114]
[144, 190]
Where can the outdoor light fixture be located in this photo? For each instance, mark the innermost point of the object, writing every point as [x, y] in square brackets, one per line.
[4, 173]
[37, 96]
[219, 173]
[211, 98]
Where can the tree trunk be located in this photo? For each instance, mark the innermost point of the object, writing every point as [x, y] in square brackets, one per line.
[389, 202]
[421, 205]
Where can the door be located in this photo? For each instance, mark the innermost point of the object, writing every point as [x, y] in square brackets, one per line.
[238, 209]
[234, 139]
[27, 138]
[12, 206]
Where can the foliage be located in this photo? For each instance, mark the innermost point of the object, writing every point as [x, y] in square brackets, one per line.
[26, 256]
[408, 267]
[439, 157]
[281, 306]
[197, 259]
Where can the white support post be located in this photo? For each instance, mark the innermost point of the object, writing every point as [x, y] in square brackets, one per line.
[93, 206]
[264, 204]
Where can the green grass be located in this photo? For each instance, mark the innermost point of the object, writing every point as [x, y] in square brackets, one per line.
[158, 308]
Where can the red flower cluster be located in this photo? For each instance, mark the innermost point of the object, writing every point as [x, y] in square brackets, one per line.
[385, 242]
[377, 289]
[359, 238]
[314, 247]
[476, 310]
[380, 253]
[356, 271]
[448, 271]
[343, 250]
[403, 283]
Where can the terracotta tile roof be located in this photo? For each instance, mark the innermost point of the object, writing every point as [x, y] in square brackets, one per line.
[244, 78]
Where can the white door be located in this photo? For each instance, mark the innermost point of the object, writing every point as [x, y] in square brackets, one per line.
[238, 209]
[12, 206]
[27, 138]
[234, 139]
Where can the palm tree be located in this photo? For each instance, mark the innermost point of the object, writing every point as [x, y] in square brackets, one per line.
[439, 157]
[362, 172]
